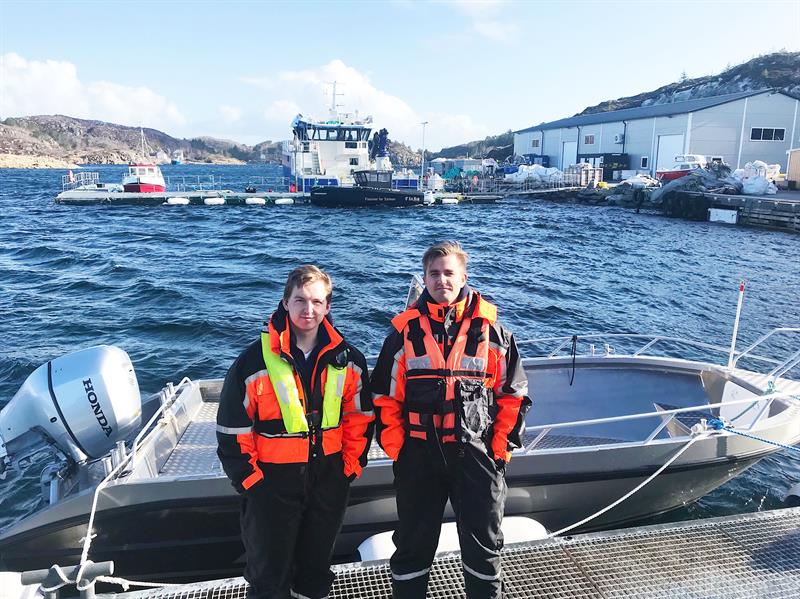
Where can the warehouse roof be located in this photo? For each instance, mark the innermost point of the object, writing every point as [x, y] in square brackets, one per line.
[644, 112]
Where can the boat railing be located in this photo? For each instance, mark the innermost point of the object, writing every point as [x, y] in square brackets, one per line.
[167, 397]
[665, 417]
[193, 182]
[593, 344]
[74, 180]
[182, 183]
[781, 368]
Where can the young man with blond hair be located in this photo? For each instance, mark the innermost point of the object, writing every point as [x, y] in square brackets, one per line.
[293, 430]
[451, 397]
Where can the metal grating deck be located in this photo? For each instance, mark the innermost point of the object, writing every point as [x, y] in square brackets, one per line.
[753, 555]
[196, 452]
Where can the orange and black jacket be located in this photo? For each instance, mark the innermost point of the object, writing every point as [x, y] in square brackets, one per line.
[453, 371]
[250, 431]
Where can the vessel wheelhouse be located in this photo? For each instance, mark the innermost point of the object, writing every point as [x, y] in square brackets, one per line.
[143, 178]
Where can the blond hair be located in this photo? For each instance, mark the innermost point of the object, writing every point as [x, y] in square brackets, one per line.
[441, 249]
[305, 275]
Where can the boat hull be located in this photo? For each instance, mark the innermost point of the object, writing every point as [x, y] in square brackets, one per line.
[198, 538]
[143, 188]
[672, 175]
[357, 197]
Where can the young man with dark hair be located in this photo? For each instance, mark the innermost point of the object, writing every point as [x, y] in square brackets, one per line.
[450, 395]
[293, 430]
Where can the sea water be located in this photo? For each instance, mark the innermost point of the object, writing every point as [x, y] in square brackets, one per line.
[183, 289]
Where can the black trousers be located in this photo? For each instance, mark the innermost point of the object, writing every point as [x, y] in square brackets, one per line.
[426, 475]
[290, 521]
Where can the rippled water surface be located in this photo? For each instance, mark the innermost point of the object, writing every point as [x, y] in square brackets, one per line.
[184, 289]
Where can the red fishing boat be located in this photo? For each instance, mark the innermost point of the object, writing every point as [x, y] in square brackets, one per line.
[684, 164]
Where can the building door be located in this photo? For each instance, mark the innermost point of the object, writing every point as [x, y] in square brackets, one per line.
[569, 154]
[669, 146]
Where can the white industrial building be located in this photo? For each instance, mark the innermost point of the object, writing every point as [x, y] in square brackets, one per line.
[737, 128]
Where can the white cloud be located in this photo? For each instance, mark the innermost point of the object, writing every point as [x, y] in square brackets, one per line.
[230, 114]
[29, 87]
[487, 19]
[308, 92]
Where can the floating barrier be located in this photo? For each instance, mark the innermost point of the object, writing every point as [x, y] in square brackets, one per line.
[255, 201]
[284, 202]
[213, 201]
[177, 202]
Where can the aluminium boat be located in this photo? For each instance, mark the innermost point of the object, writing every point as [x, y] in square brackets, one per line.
[603, 421]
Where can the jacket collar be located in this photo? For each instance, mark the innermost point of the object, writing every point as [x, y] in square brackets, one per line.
[434, 311]
[469, 302]
[281, 337]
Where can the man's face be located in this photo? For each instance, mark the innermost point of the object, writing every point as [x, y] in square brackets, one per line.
[444, 278]
[307, 306]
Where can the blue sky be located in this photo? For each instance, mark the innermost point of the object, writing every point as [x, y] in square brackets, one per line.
[241, 70]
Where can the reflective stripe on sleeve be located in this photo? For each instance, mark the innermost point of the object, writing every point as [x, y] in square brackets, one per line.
[257, 375]
[227, 430]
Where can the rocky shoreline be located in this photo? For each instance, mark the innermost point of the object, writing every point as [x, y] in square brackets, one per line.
[26, 161]
[38, 161]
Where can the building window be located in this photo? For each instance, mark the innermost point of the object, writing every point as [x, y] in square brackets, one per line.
[535, 143]
[645, 162]
[588, 140]
[351, 144]
[354, 162]
[766, 134]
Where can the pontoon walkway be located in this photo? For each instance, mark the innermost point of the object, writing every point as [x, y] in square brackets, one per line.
[751, 555]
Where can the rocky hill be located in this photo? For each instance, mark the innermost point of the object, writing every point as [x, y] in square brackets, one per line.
[493, 146]
[97, 142]
[61, 140]
[780, 70]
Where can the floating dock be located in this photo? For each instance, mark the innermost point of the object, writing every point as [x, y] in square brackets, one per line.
[746, 556]
[229, 198]
[195, 198]
[781, 211]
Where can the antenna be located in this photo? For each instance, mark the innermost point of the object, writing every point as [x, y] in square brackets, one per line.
[334, 105]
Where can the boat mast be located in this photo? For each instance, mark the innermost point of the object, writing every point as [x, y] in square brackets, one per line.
[141, 132]
[334, 106]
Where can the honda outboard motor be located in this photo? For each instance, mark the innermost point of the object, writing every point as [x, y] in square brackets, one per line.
[80, 404]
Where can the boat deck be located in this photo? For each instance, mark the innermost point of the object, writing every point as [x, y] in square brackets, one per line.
[196, 452]
[751, 555]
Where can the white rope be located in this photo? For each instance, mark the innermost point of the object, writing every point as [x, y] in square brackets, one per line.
[127, 584]
[65, 581]
[636, 489]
